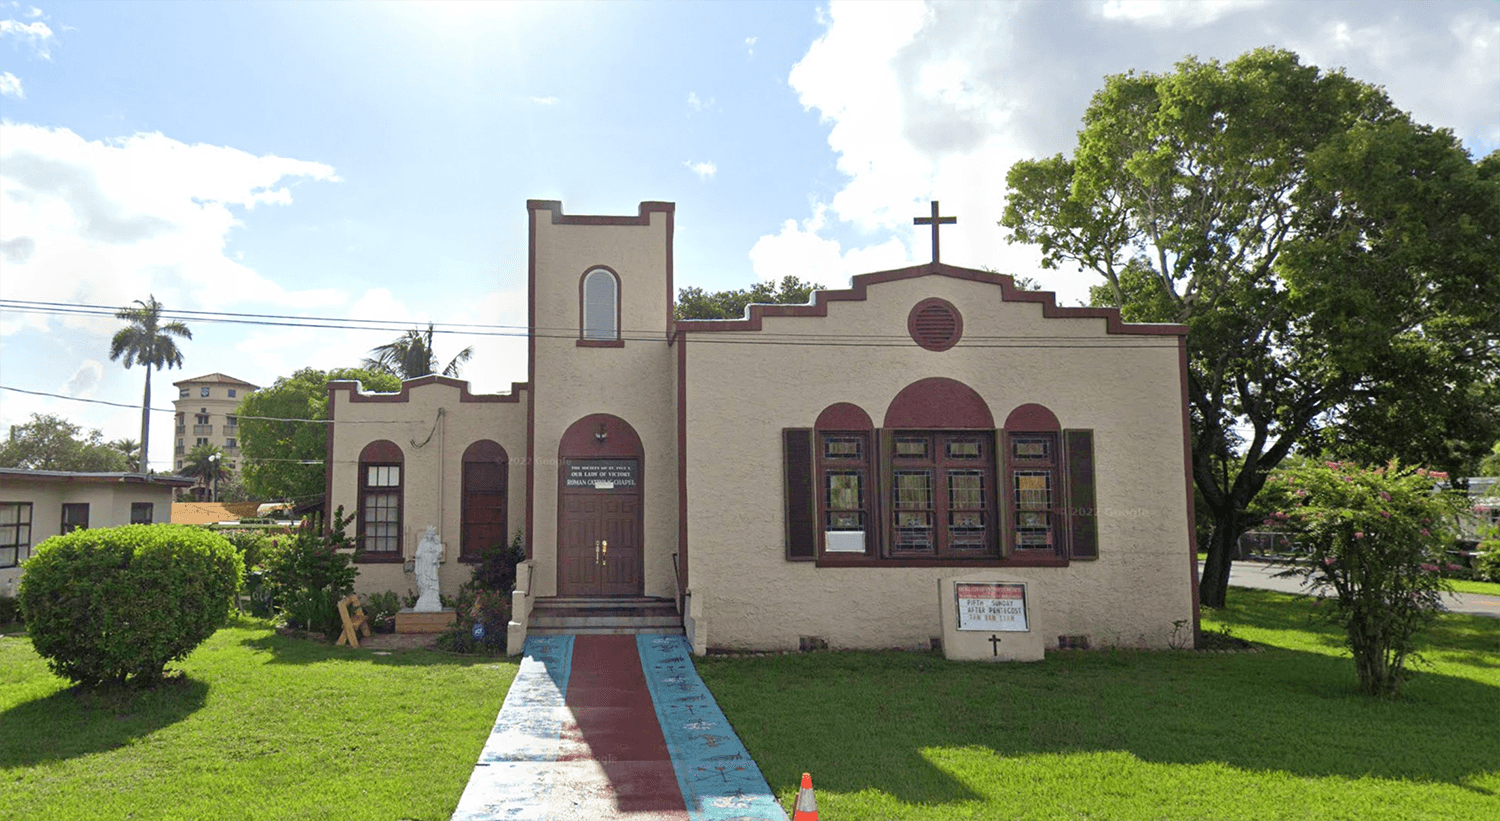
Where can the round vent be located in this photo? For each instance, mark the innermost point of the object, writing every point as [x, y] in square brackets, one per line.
[935, 324]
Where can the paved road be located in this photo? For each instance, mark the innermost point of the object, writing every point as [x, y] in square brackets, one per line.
[1262, 575]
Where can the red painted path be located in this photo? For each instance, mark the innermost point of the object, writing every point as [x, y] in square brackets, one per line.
[614, 762]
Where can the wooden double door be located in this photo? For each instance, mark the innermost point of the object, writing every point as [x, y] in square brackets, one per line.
[600, 553]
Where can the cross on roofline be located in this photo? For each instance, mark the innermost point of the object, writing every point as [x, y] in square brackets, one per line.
[936, 222]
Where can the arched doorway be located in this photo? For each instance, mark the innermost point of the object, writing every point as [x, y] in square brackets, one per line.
[599, 545]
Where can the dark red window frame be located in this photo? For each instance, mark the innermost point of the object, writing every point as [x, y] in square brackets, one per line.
[943, 465]
[1035, 494]
[943, 411]
[381, 454]
[834, 509]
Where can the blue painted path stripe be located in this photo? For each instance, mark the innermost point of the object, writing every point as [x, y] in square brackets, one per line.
[511, 780]
[718, 778]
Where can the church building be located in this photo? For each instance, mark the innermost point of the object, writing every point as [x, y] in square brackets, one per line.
[804, 474]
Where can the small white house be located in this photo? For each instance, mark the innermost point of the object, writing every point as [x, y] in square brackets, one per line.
[38, 504]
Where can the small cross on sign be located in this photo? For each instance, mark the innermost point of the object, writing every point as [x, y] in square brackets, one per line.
[935, 221]
[994, 645]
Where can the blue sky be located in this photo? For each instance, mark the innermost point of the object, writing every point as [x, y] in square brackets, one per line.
[373, 160]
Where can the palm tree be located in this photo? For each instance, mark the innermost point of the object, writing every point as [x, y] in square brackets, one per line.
[131, 449]
[147, 341]
[206, 464]
[411, 356]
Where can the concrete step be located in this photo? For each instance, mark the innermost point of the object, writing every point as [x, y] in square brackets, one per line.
[535, 630]
[604, 621]
[603, 601]
[615, 615]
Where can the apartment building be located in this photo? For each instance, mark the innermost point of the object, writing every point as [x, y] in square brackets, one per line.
[205, 415]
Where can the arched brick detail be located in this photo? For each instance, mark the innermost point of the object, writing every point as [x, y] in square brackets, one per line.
[382, 450]
[939, 402]
[485, 450]
[581, 438]
[844, 416]
[1032, 417]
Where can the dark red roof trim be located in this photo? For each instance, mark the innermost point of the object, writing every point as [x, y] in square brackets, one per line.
[559, 218]
[857, 293]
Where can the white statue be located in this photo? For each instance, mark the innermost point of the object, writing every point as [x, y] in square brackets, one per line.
[429, 552]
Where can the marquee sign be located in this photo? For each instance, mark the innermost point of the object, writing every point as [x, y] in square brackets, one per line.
[991, 606]
[602, 474]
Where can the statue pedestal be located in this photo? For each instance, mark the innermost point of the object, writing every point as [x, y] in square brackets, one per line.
[410, 621]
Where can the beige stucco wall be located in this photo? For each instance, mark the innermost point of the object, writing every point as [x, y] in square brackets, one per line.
[636, 382]
[1125, 388]
[109, 506]
[433, 474]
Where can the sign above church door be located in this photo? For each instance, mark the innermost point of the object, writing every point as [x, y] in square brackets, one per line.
[602, 474]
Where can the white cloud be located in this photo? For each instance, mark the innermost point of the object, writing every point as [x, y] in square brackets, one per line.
[10, 86]
[696, 103]
[544, 100]
[797, 250]
[704, 170]
[105, 221]
[938, 100]
[85, 380]
[750, 46]
[37, 35]
[1170, 13]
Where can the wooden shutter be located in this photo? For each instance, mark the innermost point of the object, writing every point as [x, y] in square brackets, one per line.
[1000, 495]
[801, 501]
[1083, 516]
[880, 483]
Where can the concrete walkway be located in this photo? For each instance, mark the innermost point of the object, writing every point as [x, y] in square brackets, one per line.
[1262, 575]
[613, 727]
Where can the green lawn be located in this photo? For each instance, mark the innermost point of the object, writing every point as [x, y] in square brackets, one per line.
[1131, 735]
[1487, 588]
[260, 726]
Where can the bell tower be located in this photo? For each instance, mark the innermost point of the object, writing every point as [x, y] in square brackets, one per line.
[600, 322]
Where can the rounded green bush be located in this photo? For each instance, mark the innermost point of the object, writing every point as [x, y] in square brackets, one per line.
[103, 605]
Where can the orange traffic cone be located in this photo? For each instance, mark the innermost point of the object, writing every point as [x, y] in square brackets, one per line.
[807, 805]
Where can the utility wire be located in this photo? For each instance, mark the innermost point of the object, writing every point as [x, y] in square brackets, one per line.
[235, 415]
[544, 332]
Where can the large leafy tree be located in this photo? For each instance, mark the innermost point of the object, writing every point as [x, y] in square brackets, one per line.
[282, 447]
[1334, 261]
[696, 303]
[206, 464]
[412, 355]
[148, 342]
[49, 442]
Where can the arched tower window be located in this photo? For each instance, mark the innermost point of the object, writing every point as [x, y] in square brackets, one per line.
[601, 306]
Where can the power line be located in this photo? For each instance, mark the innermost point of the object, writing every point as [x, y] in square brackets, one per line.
[544, 332]
[238, 417]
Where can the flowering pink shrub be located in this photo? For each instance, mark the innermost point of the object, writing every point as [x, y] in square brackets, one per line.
[1374, 546]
